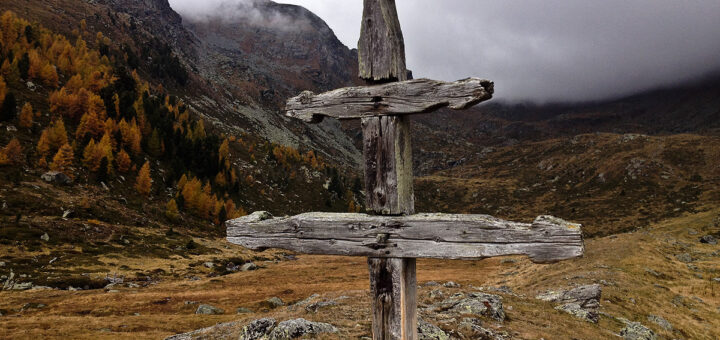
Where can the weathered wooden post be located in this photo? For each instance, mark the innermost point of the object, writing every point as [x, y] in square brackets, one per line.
[387, 155]
[392, 236]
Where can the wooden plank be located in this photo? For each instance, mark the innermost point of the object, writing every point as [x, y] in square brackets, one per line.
[381, 48]
[443, 236]
[398, 98]
[387, 155]
[393, 288]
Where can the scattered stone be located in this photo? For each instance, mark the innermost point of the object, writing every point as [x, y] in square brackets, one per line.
[692, 231]
[587, 296]
[243, 310]
[33, 305]
[431, 284]
[2, 264]
[257, 329]
[273, 302]
[451, 284]
[314, 307]
[31, 86]
[209, 310]
[191, 302]
[479, 304]
[709, 239]
[228, 330]
[248, 266]
[291, 329]
[22, 286]
[428, 331]
[660, 321]
[717, 279]
[11, 128]
[45, 237]
[209, 264]
[579, 312]
[56, 177]
[436, 293]
[67, 213]
[684, 257]
[636, 331]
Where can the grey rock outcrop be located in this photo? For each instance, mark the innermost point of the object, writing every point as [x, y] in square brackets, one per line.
[636, 331]
[56, 177]
[428, 331]
[295, 328]
[475, 304]
[660, 321]
[581, 302]
[586, 296]
[589, 314]
[209, 310]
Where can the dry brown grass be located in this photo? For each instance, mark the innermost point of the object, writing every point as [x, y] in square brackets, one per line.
[619, 260]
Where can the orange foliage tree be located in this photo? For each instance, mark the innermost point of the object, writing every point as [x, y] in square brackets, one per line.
[143, 184]
[123, 161]
[52, 138]
[26, 116]
[12, 153]
[63, 160]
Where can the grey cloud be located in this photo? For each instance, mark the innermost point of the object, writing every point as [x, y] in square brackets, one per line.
[550, 50]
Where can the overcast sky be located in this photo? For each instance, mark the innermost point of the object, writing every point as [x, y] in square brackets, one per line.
[545, 50]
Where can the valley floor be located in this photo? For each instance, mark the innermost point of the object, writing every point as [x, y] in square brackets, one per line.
[641, 273]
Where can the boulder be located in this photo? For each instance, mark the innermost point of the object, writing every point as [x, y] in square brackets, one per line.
[243, 310]
[292, 329]
[451, 284]
[226, 330]
[428, 331]
[660, 321]
[209, 310]
[56, 177]
[709, 239]
[248, 266]
[586, 296]
[636, 331]
[273, 302]
[480, 304]
[579, 312]
[257, 329]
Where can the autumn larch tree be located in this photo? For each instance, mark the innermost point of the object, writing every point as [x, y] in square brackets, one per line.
[12, 153]
[63, 160]
[123, 161]
[26, 116]
[143, 185]
[171, 210]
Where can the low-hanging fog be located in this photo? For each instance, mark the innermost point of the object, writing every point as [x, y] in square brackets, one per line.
[550, 50]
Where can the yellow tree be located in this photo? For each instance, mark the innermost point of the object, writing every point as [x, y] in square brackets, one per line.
[143, 185]
[63, 160]
[49, 75]
[123, 161]
[26, 116]
[12, 153]
[171, 210]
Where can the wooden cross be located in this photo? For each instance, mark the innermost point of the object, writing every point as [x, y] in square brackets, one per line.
[392, 236]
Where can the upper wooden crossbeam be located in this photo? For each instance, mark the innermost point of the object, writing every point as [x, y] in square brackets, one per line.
[442, 236]
[398, 98]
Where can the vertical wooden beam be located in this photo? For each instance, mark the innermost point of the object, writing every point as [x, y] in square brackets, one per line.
[394, 294]
[381, 48]
[387, 156]
[386, 140]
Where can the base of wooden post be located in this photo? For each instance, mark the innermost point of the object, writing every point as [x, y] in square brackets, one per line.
[393, 287]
